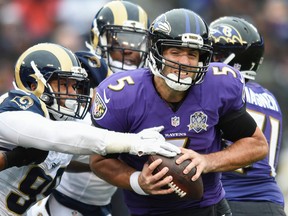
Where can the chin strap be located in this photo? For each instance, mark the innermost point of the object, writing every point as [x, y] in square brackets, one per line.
[38, 73]
[89, 46]
[229, 58]
[172, 84]
[249, 74]
[178, 86]
[69, 110]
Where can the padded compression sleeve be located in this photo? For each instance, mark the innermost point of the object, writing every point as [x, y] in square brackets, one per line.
[237, 125]
[28, 129]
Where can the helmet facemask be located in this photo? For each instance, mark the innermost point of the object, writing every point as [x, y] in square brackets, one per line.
[119, 28]
[158, 63]
[61, 103]
[124, 47]
[48, 71]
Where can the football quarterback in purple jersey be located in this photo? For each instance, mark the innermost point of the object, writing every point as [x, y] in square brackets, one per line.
[51, 92]
[197, 102]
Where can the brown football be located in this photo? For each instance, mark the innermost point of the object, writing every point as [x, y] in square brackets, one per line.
[184, 187]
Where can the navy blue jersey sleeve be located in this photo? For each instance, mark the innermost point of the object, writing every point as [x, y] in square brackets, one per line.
[17, 100]
[95, 66]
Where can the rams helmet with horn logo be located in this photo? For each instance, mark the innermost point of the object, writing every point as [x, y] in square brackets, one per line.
[120, 26]
[44, 62]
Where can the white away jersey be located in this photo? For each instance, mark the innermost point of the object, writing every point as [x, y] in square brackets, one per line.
[22, 187]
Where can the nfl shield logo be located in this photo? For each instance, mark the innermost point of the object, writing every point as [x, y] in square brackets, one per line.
[175, 121]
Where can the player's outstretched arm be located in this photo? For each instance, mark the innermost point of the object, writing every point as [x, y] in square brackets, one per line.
[148, 141]
[31, 130]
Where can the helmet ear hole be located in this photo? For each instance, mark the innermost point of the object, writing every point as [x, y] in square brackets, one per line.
[32, 85]
[47, 99]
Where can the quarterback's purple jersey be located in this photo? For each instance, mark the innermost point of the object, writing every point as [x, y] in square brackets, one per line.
[257, 182]
[128, 102]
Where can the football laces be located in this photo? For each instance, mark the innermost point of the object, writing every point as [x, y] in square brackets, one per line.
[177, 190]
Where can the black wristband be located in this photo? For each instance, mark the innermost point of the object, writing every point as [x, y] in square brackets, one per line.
[15, 158]
[20, 156]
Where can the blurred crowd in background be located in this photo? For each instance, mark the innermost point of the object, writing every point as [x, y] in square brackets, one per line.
[26, 22]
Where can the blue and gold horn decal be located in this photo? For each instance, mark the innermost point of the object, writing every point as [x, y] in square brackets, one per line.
[38, 61]
[122, 12]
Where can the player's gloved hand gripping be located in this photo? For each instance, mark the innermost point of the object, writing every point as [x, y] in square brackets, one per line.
[148, 141]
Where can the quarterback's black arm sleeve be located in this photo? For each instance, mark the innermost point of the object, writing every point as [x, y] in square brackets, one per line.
[237, 125]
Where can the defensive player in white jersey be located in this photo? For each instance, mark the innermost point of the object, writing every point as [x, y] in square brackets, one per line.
[251, 190]
[119, 34]
[51, 89]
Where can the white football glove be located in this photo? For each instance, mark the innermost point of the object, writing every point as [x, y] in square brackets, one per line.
[152, 142]
[148, 141]
[152, 133]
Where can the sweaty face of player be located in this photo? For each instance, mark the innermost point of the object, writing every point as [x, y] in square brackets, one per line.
[184, 56]
[130, 57]
[65, 88]
[127, 49]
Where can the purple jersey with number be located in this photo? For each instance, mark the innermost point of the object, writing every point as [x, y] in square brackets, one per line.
[257, 181]
[128, 102]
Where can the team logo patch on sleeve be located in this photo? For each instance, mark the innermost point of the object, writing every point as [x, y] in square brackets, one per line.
[99, 109]
[23, 102]
[198, 122]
